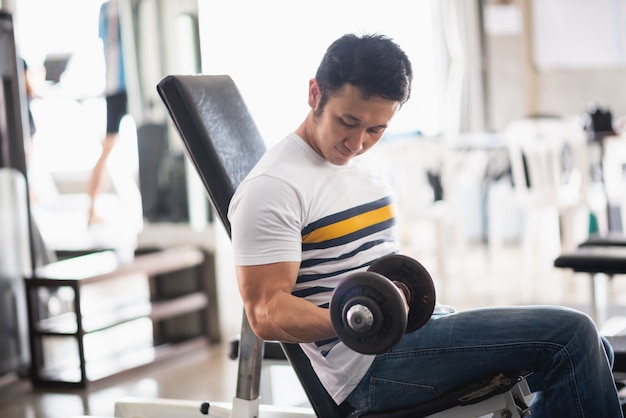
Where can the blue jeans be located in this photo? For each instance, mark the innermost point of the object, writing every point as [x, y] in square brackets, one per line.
[571, 363]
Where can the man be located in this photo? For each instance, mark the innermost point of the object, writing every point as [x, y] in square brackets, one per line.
[312, 212]
[115, 95]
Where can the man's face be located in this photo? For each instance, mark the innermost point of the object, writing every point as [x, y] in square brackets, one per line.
[348, 125]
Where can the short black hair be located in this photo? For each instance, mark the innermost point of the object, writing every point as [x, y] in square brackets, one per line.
[373, 62]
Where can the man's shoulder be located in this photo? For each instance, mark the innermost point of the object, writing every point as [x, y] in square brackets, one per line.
[285, 158]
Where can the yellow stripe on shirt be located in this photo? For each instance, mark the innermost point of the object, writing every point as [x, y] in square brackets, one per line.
[350, 225]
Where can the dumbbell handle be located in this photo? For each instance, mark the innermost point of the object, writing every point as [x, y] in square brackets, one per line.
[405, 291]
[360, 318]
[414, 281]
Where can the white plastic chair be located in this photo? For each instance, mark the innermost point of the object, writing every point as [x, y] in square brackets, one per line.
[550, 174]
[427, 223]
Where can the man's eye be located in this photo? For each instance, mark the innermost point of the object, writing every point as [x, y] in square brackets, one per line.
[346, 124]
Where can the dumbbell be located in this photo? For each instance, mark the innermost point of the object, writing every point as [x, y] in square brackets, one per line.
[371, 310]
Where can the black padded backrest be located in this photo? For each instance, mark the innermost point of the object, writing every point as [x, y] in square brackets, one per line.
[223, 142]
[218, 132]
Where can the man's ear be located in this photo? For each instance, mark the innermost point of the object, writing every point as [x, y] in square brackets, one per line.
[314, 93]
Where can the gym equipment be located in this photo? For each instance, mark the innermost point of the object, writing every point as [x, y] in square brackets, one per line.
[601, 263]
[18, 250]
[414, 279]
[223, 143]
[14, 263]
[371, 310]
[602, 258]
[368, 313]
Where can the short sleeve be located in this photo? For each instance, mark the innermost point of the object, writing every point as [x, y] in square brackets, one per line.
[265, 216]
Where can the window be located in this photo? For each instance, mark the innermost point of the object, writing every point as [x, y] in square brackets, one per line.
[272, 48]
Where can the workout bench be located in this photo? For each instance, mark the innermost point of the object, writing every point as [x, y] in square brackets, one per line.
[223, 143]
[602, 258]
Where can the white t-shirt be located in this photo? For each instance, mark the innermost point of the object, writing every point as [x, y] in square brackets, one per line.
[296, 206]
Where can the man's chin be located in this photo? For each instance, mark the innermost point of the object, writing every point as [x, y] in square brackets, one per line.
[341, 161]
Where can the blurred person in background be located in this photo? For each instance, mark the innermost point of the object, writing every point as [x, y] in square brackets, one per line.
[115, 96]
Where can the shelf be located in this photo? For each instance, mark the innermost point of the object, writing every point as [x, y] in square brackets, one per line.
[127, 362]
[66, 324]
[181, 305]
[104, 265]
[92, 317]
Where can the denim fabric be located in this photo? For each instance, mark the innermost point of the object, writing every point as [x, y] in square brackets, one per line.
[570, 361]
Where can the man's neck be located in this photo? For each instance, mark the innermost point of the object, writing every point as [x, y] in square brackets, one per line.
[304, 132]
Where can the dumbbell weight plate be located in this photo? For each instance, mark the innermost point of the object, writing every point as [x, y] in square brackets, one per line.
[412, 274]
[373, 293]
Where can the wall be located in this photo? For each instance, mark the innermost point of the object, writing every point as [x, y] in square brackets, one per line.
[516, 87]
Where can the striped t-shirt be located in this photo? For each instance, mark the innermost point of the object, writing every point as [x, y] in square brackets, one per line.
[333, 219]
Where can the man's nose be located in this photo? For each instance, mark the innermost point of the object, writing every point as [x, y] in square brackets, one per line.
[354, 142]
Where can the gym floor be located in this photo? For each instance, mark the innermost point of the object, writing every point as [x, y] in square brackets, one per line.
[472, 279]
